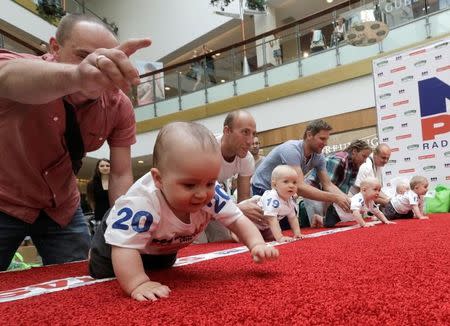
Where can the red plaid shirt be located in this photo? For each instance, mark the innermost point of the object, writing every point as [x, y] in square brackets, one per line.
[340, 169]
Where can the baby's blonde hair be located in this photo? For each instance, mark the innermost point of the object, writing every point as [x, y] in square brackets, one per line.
[281, 170]
[370, 181]
[401, 184]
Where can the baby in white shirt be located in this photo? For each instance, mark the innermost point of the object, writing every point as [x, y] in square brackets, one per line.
[406, 203]
[361, 203]
[278, 203]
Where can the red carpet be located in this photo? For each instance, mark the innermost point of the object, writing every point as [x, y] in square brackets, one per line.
[396, 275]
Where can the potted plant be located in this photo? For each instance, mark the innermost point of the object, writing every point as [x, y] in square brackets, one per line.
[251, 4]
[51, 10]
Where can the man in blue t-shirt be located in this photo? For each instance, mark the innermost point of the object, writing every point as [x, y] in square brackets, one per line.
[304, 155]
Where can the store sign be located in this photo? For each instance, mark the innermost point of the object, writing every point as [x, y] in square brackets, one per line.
[391, 5]
[340, 142]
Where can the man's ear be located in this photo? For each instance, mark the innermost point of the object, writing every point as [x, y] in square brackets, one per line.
[226, 130]
[53, 46]
[156, 177]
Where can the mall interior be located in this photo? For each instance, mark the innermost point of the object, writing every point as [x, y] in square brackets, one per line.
[282, 91]
[287, 62]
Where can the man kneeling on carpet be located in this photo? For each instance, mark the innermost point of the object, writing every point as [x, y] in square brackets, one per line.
[361, 204]
[278, 203]
[166, 210]
[407, 202]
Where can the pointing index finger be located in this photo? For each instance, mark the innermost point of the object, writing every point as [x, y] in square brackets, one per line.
[131, 46]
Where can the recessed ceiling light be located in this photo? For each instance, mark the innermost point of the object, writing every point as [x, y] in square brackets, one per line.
[305, 54]
[329, 1]
[217, 54]
[222, 80]
[141, 162]
[167, 88]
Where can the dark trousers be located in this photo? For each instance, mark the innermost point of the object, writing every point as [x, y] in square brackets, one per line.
[331, 217]
[304, 220]
[101, 267]
[100, 263]
[55, 244]
[391, 213]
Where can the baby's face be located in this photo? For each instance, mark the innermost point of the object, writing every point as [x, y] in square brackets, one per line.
[286, 185]
[371, 192]
[421, 189]
[188, 182]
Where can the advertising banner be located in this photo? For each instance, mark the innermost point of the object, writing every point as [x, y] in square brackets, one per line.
[412, 91]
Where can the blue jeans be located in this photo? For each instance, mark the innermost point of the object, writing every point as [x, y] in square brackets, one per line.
[55, 244]
[257, 191]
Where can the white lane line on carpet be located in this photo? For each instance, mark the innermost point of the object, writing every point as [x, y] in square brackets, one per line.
[77, 281]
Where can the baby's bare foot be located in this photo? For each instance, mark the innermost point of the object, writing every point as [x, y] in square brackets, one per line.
[317, 221]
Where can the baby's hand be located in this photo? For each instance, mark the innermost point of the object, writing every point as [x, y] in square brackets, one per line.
[389, 222]
[262, 252]
[285, 239]
[423, 217]
[299, 236]
[365, 225]
[150, 291]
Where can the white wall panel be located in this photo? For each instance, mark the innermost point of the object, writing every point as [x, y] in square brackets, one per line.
[170, 24]
[25, 20]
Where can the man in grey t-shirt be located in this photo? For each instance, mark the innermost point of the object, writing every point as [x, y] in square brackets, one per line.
[304, 155]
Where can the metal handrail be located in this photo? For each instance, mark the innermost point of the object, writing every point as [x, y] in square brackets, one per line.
[255, 38]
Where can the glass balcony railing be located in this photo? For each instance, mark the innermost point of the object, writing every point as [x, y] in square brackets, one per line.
[303, 48]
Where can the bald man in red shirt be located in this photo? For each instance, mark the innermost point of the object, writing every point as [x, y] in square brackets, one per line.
[85, 72]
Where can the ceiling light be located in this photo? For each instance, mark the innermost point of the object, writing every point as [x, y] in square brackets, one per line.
[167, 88]
[329, 1]
[141, 162]
[305, 54]
[217, 54]
[222, 80]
